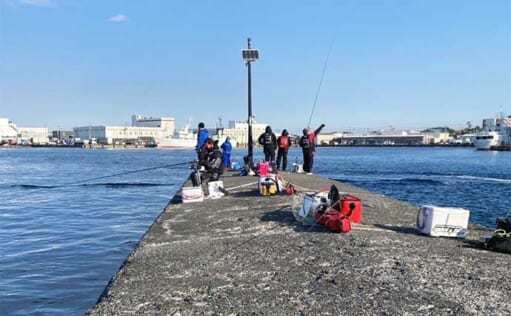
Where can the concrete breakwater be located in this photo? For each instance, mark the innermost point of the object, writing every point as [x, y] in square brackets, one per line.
[246, 254]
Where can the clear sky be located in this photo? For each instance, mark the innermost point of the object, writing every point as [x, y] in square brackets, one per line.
[401, 63]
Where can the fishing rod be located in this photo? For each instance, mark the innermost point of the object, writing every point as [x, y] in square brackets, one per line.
[128, 172]
[318, 90]
[119, 174]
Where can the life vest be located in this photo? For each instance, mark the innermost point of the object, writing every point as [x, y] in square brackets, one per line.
[284, 142]
[267, 141]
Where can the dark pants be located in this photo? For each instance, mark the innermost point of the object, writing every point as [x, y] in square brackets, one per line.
[282, 156]
[308, 161]
[269, 154]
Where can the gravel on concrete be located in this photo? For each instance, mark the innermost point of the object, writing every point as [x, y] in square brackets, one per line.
[247, 255]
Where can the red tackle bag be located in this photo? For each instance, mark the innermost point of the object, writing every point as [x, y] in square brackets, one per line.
[351, 208]
[335, 222]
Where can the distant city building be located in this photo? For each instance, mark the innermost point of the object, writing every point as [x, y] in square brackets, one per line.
[8, 131]
[166, 124]
[327, 138]
[143, 130]
[33, 135]
[62, 135]
[238, 132]
[434, 137]
[402, 139]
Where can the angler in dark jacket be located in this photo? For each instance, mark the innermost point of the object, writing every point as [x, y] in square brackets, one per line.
[284, 142]
[202, 136]
[206, 149]
[308, 144]
[214, 165]
[269, 142]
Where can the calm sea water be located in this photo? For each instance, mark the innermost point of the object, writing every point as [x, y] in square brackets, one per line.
[59, 247]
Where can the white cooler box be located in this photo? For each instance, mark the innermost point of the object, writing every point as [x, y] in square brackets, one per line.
[192, 194]
[443, 221]
[215, 189]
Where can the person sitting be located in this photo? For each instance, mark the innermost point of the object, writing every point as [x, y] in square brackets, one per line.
[214, 165]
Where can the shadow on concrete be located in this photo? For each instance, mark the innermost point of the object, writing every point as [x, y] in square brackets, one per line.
[252, 193]
[467, 243]
[285, 216]
[400, 229]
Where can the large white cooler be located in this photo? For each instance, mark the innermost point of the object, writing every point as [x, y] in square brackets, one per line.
[192, 194]
[443, 221]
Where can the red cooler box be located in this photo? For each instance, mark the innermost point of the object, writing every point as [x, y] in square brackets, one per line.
[347, 203]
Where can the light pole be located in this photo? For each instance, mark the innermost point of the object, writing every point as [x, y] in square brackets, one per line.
[250, 55]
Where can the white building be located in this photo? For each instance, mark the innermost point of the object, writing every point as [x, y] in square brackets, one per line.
[142, 129]
[166, 124]
[34, 135]
[437, 137]
[326, 138]
[238, 132]
[8, 131]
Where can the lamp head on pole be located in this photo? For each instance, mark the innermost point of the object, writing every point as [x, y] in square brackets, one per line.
[249, 55]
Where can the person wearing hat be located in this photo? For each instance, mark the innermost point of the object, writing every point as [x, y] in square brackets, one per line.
[283, 142]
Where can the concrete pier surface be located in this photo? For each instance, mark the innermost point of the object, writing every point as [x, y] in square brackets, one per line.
[246, 255]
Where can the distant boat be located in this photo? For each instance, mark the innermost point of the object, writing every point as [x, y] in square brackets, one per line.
[496, 135]
[184, 138]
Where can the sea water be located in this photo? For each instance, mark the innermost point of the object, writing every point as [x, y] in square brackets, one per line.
[60, 246]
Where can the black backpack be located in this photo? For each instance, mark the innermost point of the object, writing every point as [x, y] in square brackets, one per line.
[501, 239]
[268, 139]
[305, 142]
[504, 224]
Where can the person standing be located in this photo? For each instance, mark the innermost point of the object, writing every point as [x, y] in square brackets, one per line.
[308, 144]
[284, 142]
[227, 150]
[202, 136]
[269, 142]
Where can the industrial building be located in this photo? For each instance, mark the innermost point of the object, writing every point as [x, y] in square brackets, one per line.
[143, 131]
[238, 132]
[33, 135]
[8, 132]
[11, 134]
[381, 140]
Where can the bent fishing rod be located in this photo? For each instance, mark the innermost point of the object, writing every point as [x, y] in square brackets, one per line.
[318, 90]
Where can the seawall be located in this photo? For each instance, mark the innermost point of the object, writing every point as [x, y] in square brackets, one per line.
[246, 254]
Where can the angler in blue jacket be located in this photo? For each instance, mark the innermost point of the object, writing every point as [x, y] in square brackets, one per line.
[227, 150]
[202, 136]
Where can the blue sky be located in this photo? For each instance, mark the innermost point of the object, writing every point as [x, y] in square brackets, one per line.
[401, 63]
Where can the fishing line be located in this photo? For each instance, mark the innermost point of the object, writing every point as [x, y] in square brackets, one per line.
[325, 65]
[75, 183]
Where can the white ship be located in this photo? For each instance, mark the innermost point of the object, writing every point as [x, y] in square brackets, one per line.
[496, 133]
[184, 138]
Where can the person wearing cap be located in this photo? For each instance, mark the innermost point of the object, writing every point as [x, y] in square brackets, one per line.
[308, 144]
[283, 142]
